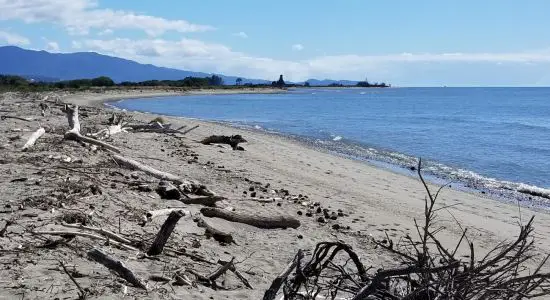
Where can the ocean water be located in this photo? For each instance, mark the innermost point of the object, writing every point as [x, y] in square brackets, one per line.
[495, 139]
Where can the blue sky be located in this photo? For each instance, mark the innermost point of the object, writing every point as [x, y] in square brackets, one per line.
[406, 43]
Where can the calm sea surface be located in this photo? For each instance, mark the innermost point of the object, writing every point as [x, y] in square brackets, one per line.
[487, 138]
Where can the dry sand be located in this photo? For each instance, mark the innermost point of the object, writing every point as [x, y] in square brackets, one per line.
[377, 202]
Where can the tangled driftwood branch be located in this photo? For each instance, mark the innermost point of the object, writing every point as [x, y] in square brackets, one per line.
[430, 270]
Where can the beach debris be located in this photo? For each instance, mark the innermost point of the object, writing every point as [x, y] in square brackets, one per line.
[152, 214]
[74, 132]
[233, 140]
[217, 234]
[32, 139]
[168, 191]
[266, 222]
[116, 266]
[165, 231]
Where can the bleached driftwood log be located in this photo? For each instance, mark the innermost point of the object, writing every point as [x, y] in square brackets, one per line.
[187, 184]
[165, 232]
[109, 131]
[74, 132]
[206, 201]
[266, 222]
[116, 266]
[217, 234]
[35, 136]
[150, 215]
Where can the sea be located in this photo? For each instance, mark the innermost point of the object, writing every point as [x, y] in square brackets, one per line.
[493, 140]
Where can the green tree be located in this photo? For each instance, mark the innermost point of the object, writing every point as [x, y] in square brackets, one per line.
[239, 81]
[102, 81]
[215, 80]
[306, 84]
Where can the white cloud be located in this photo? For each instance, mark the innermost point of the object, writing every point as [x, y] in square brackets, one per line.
[79, 16]
[241, 34]
[13, 39]
[297, 47]
[196, 55]
[52, 47]
[105, 32]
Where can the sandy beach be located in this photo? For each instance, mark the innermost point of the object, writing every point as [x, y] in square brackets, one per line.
[57, 176]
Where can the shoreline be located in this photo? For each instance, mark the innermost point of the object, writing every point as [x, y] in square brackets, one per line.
[508, 195]
[100, 97]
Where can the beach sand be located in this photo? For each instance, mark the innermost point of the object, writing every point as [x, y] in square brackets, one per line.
[376, 201]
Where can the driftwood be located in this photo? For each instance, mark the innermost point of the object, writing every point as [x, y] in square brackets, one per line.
[187, 184]
[74, 132]
[215, 233]
[32, 139]
[206, 201]
[101, 231]
[150, 215]
[233, 140]
[116, 266]
[271, 292]
[233, 269]
[15, 117]
[267, 222]
[88, 235]
[165, 232]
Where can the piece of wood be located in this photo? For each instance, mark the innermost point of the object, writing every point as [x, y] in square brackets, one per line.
[217, 234]
[219, 272]
[272, 291]
[150, 215]
[88, 235]
[116, 266]
[15, 117]
[165, 232]
[206, 201]
[189, 130]
[233, 269]
[32, 139]
[183, 183]
[266, 222]
[74, 132]
[101, 231]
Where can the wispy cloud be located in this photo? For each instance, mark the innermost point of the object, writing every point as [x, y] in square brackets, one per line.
[297, 47]
[209, 57]
[79, 16]
[241, 34]
[13, 39]
[52, 46]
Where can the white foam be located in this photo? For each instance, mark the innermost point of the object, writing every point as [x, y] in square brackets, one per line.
[337, 138]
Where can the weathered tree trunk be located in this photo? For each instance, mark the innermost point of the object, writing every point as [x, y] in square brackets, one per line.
[206, 201]
[267, 222]
[35, 136]
[215, 233]
[116, 266]
[150, 215]
[165, 232]
[74, 132]
[159, 174]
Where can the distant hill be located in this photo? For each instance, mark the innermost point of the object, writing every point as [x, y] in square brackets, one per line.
[51, 67]
[326, 82]
[42, 65]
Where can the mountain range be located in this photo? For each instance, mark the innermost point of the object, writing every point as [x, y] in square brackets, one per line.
[46, 66]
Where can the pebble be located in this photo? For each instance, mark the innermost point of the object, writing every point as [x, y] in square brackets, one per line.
[251, 189]
[300, 236]
[253, 194]
[299, 212]
[321, 220]
[309, 214]
[336, 226]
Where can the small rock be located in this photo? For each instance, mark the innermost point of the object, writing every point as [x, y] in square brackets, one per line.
[321, 220]
[309, 214]
[300, 236]
[251, 189]
[318, 210]
[299, 212]
[145, 188]
[253, 194]
[279, 204]
[336, 226]
[134, 175]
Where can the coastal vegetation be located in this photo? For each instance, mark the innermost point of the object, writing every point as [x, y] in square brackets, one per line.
[20, 83]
